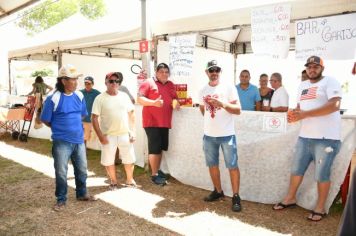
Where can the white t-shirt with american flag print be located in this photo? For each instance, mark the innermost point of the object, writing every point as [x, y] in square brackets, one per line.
[314, 95]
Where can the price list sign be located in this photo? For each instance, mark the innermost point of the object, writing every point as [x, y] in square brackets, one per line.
[270, 30]
[181, 52]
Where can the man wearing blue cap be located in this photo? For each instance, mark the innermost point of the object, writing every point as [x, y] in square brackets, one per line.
[89, 95]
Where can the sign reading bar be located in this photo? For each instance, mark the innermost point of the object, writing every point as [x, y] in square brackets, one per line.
[270, 30]
[181, 51]
[328, 37]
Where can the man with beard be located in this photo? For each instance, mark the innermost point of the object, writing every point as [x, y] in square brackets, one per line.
[218, 104]
[319, 138]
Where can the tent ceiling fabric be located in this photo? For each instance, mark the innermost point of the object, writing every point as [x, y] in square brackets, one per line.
[228, 26]
[8, 7]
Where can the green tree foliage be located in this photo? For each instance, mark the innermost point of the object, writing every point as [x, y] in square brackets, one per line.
[42, 73]
[51, 12]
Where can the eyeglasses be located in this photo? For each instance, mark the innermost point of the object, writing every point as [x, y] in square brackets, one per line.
[111, 81]
[88, 83]
[272, 80]
[212, 70]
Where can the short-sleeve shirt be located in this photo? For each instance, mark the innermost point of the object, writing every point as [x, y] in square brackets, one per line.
[157, 116]
[315, 95]
[64, 113]
[40, 88]
[280, 98]
[248, 97]
[89, 99]
[217, 121]
[113, 113]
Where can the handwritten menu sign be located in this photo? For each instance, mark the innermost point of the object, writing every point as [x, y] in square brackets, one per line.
[270, 30]
[181, 50]
[328, 37]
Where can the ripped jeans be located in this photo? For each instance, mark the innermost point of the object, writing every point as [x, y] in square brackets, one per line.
[321, 151]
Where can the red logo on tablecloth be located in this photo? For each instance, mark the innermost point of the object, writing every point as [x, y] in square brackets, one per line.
[274, 122]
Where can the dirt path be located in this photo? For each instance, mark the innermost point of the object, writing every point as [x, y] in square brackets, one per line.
[26, 198]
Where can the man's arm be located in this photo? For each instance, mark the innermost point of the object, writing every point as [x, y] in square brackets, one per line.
[258, 106]
[331, 106]
[202, 109]
[132, 127]
[103, 139]
[149, 102]
[231, 107]
[258, 100]
[279, 109]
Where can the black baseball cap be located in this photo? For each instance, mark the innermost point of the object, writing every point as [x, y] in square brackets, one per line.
[89, 79]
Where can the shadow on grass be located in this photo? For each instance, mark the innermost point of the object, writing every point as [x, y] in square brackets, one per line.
[44, 147]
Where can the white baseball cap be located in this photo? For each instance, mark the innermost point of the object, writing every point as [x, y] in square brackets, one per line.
[68, 71]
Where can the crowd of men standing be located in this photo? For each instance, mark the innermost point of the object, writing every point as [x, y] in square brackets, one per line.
[111, 115]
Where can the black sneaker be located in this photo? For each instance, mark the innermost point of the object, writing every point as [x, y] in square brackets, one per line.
[158, 180]
[163, 175]
[214, 195]
[236, 203]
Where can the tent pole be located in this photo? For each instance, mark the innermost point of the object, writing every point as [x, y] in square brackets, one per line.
[155, 51]
[235, 67]
[59, 59]
[145, 57]
[9, 64]
[146, 65]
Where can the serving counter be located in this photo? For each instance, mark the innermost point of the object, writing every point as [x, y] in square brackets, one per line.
[264, 156]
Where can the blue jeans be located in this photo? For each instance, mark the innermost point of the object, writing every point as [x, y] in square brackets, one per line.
[211, 146]
[62, 151]
[321, 151]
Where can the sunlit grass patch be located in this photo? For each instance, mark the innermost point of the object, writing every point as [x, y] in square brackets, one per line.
[12, 172]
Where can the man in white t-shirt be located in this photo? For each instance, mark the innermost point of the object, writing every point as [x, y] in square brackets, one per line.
[319, 138]
[218, 103]
[280, 98]
[116, 129]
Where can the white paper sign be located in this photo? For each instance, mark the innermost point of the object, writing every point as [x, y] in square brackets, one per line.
[270, 30]
[275, 123]
[181, 51]
[328, 37]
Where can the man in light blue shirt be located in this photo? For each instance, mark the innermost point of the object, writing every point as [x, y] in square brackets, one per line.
[248, 93]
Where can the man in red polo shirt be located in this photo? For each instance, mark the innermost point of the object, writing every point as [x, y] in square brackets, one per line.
[157, 96]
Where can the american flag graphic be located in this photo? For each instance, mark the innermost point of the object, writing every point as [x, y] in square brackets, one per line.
[309, 93]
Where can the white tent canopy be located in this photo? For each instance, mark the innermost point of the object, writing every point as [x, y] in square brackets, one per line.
[233, 26]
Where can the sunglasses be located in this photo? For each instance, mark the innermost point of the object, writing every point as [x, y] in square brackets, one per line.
[87, 83]
[212, 70]
[111, 81]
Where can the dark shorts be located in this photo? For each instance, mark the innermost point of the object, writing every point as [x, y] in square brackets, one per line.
[157, 139]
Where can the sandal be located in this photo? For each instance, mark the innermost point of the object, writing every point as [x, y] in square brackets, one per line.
[283, 206]
[313, 213]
